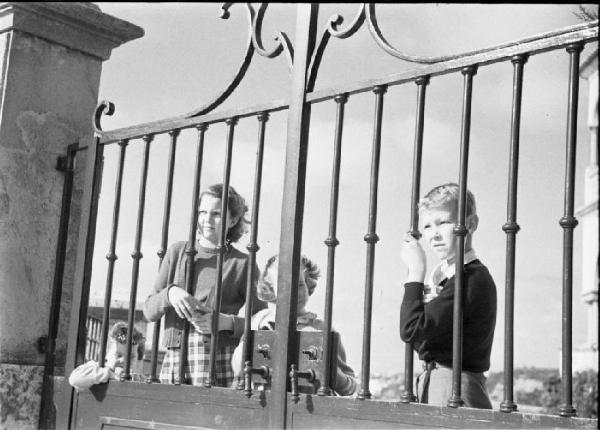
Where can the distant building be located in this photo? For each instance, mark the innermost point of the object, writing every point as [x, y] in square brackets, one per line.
[586, 356]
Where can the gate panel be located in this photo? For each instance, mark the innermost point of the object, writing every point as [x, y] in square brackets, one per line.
[133, 405]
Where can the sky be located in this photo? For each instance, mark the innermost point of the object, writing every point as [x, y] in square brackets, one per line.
[188, 55]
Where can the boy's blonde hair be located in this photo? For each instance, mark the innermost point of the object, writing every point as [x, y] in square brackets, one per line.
[446, 196]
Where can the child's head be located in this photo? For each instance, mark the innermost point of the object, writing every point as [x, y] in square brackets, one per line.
[307, 281]
[117, 345]
[438, 211]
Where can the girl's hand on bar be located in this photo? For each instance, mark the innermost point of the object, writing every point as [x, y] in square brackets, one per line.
[184, 303]
[413, 256]
[202, 321]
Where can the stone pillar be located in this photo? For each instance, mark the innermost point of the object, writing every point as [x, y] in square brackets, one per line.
[51, 60]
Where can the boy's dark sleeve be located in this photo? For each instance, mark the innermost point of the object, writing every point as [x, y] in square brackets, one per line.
[431, 321]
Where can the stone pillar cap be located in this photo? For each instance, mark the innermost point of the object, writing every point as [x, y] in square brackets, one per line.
[78, 25]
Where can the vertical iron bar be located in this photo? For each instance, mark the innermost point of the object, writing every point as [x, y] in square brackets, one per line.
[88, 346]
[91, 347]
[137, 255]
[371, 238]
[191, 252]
[111, 256]
[97, 326]
[222, 248]
[83, 274]
[568, 222]
[163, 248]
[253, 247]
[292, 212]
[332, 242]
[46, 412]
[460, 231]
[511, 228]
[422, 82]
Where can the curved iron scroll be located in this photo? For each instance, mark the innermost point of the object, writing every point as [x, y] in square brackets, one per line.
[365, 12]
[283, 41]
[243, 68]
[104, 108]
[253, 44]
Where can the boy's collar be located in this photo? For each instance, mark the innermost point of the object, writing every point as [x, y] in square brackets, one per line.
[446, 270]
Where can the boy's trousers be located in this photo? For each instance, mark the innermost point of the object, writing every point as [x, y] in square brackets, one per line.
[437, 388]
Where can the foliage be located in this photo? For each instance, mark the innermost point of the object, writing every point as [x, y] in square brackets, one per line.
[538, 373]
[585, 14]
[585, 394]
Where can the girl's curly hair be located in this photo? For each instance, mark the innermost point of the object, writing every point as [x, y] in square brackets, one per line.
[236, 205]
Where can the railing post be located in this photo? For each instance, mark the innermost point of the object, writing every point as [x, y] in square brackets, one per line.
[408, 394]
[163, 249]
[568, 222]
[111, 256]
[511, 229]
[371, 239]
[292, 212]
[253, 248]
[460, 231]
[191, 250]
[83, 275]
[137, 254]
[222, 248]
[332, 242]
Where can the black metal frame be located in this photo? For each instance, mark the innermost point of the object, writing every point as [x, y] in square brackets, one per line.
[306, 56]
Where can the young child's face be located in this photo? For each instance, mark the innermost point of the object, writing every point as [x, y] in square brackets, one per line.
[115, 354]
[438, 231]
[267, 287]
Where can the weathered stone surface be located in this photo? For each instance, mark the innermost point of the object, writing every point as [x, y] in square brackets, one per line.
[50, 62]
[20, 388]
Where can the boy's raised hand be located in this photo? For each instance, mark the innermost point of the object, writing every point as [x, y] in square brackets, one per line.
[413, 256]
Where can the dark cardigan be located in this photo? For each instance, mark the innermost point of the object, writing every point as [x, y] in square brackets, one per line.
[428, 326]
[234, 280]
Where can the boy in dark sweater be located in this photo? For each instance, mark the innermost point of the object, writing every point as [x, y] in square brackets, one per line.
[426, 314]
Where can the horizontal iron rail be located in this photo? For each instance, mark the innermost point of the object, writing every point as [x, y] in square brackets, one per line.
[580, 33]
[557, 39]
[180, 123]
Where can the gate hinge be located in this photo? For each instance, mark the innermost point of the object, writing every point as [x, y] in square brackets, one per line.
[61, 163]
[41, 344]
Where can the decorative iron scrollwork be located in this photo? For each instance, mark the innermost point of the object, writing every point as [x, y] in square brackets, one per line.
[384, 44]
[283, 41]
[254, 44]
[365, 12]
[336, 20]
[104, 108]
[243, 68]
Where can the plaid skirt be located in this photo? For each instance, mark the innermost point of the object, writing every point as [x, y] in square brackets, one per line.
[196, 367]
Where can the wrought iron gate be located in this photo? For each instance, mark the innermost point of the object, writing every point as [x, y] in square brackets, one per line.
[136, 405]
